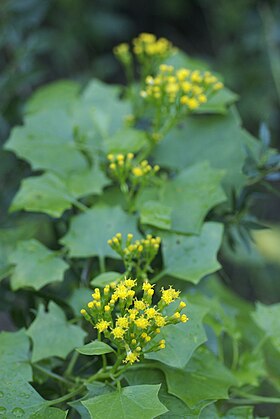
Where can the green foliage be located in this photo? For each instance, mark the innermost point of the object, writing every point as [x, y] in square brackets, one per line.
[195, 360]
[140, 401]
[52, 335]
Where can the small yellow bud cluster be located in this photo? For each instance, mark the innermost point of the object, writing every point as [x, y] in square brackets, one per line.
[184, 88]
[125, 169]
[122, 52]
[147, 45]
[129, 323]
[139, 253]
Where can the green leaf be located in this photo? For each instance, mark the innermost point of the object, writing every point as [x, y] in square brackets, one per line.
[105, 278]
[95, 348]
[45, 193]
[89, 232]
[192, 193]
[35, 265]
[79, 298]
[49, 413]
[192, 257]
[207, 379]
[14, 353]
[108, 111]
[44, 151]
[52, 335]
[219, 102]
[94, 389]
[215, 138]
[240, 412]
[156, 214]
[130, 402]
[18, 398]
[267, 318]
[87, 182]
[126, 140]
[176, 407]
[181, 339]
[54, 95]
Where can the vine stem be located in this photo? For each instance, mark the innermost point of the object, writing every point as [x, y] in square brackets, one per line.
[52, 375]
[102, 264]
[71, 364]
[252, 398]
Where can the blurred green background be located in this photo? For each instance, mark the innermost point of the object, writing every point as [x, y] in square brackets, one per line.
[41, 41]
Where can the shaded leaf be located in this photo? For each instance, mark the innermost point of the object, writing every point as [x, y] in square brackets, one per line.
[52, 335]
[130, 402]
[45, 193]
[89, 232]
[126, 140]
[207, 379]
[87, 182]
[267, 318]
[192, 257]
[156, 214]
[182, 339]
[192, 194]
[95, 348]
[14, 353]
[105, 278]
[35, 265]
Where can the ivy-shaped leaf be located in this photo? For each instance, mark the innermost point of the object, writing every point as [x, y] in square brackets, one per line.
[89, 232]
[105, 278]
[52, 335]
[218, 139]
[192, 257]
[130, 402]
[90, 181]
[35, 265]
[182, 339]
[49, 413]
[192, 194]
[46, 193]
[14, 353]
[18, 397]
[126, 140]
[207, 378]
[156, 214]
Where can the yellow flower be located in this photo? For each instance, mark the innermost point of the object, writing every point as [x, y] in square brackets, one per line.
[102, 325]
[122, 322]
[121, 291]
[169, 295]
[118, 332]
[133, 313]
[177, 315]
[142, 322]
[151, 312]
[137, 171]
[160, 320]
[193, 103]
[131, 357]
[218, 86]
[139, 305]
[184, 318]
[146, 286]
[182, 305]
[129, 283]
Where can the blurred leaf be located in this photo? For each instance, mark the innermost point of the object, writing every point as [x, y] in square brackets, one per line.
[267, 318]
[181, 339]
[45, 193]
[133, 401]
[47, 341]
[95, 348]
[192, 257]
[126, 140]
[156, 214]
[14, 353]
[87, 182]
[35, 266]
[192, 194]
[207, 379]
[104, 279]
[89, 232]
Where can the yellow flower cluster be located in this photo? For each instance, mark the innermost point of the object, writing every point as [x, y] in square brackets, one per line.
[123, 167]
[129, 323]
[138, 254]
[147, 45]
[184, 88]
[122, 52]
